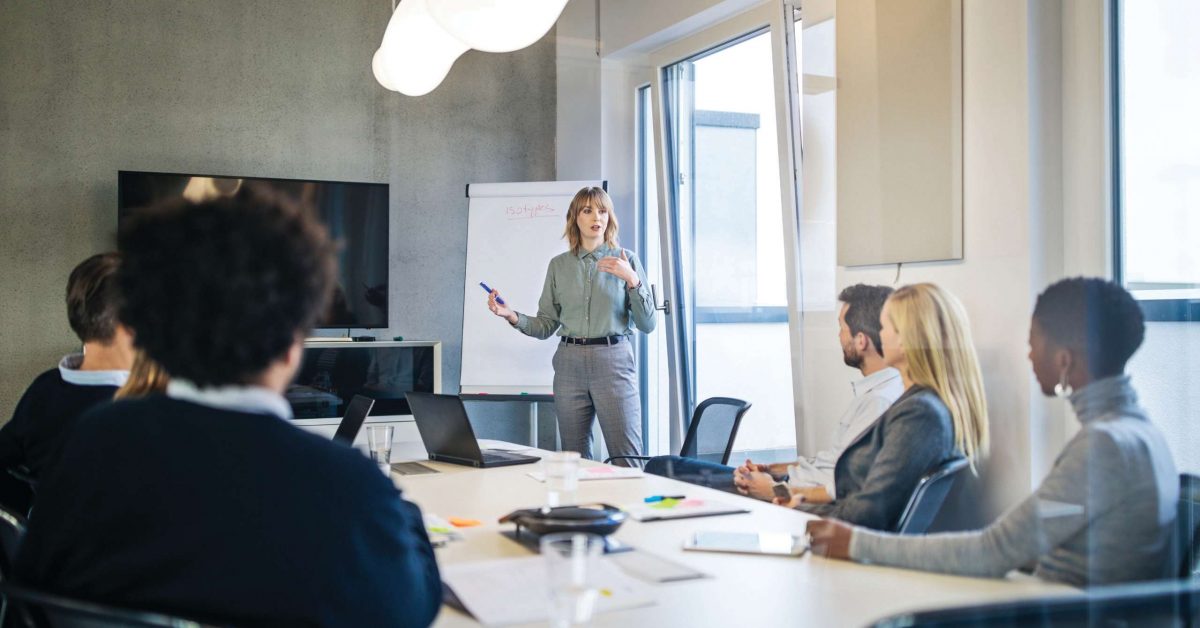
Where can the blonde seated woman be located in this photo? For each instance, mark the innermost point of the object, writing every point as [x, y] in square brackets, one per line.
[1106, 512]
[942, 414]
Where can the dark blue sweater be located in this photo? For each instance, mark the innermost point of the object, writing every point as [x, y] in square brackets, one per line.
[34, 437]
[170, 506]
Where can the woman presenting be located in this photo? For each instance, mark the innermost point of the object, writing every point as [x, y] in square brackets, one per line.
[594, 296]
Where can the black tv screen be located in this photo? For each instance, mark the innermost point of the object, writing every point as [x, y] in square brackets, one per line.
[330, 377]
[356, 215]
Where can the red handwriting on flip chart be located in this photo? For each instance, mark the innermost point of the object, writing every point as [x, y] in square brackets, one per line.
[538, 210]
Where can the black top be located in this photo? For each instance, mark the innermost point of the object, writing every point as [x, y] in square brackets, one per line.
[876, 474]
[44, 416]
[165, 505]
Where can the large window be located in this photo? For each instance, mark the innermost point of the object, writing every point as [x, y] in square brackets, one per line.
[1157, 182]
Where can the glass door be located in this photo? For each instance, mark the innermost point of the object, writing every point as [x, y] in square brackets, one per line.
[725, 219]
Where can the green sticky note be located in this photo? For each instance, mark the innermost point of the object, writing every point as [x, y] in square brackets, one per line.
[665, 504]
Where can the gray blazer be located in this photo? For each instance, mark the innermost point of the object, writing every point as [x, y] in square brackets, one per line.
[876, 474]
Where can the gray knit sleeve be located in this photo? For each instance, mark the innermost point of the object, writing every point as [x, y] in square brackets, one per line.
[1080, 486]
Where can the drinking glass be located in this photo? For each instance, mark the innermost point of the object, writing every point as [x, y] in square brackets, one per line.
[571, 559]
[562, 477]
[379, 439]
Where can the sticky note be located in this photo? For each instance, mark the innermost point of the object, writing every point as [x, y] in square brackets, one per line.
[460, 522]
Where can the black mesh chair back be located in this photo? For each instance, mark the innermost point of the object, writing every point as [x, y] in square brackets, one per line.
[1187, 524]
[1145, 605]
[12, 529]
[713, 429]
[28, 608]
[928, 496]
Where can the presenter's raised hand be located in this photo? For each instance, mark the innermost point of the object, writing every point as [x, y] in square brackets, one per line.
[620, 267]
[503, 311]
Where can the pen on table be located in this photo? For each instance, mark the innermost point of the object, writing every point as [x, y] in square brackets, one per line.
[659, 498]
[489, 291]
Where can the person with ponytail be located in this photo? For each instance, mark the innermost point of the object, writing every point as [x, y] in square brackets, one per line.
[942, 414]
[1105, 514]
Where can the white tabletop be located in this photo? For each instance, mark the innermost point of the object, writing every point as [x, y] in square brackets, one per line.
[742, 590]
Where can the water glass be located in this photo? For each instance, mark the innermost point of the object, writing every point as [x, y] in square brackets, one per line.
[571, 559]
[562, 477]
[379, 440]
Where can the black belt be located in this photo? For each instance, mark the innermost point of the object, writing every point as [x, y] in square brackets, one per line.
[605, 340]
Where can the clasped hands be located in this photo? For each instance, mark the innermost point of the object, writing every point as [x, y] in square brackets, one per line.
[758, 481]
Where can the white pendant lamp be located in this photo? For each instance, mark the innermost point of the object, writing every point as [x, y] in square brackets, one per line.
[416, 53]
[496, 25]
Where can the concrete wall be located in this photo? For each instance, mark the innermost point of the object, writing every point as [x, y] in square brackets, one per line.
[269, 88]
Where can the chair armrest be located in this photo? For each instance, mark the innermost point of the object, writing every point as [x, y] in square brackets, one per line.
[22, 473]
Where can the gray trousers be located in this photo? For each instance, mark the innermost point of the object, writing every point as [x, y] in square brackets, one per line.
[601, 381]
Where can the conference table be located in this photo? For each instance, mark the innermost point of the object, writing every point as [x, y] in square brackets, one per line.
[743, 590]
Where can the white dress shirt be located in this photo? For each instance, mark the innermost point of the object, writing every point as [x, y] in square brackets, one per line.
[68, 369]
[873, 395]
[254, 399]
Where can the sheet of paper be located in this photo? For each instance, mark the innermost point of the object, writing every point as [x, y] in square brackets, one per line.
[680, 509]
[598, 472]
[514, 590]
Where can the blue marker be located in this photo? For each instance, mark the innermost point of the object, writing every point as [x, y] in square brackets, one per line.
[489, 291]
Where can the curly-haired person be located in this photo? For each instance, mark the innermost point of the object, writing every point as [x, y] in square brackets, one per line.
[206, 502]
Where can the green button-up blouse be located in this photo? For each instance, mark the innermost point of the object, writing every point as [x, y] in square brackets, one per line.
[582, 302]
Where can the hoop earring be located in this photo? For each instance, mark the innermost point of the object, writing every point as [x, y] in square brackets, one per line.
[1063, 389]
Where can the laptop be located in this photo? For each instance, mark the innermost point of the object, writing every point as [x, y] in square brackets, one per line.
[356, 414]
[442, 422]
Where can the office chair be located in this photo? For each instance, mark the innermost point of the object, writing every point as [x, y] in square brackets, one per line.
[1163, 603]
[12, 529]
[28, 608]
[18, 489]
[1187, 525]
[928, 496]
[712, 431]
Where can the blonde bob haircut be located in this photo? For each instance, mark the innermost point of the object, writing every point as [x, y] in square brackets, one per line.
[595, 198]
[941, 356]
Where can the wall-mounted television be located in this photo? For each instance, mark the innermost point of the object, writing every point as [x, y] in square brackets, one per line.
[356, 215]
[332, 373]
